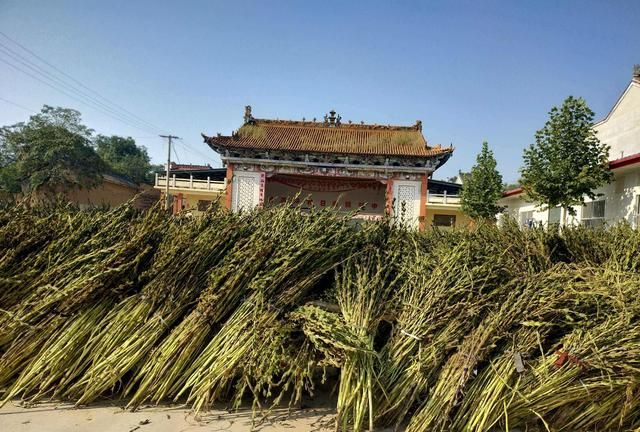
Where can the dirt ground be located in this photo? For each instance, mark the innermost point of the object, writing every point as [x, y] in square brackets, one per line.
[110, 417]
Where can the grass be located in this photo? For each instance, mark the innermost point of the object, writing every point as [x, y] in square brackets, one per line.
[249, 131]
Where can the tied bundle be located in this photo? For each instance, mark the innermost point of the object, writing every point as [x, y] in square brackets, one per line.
[484, 329]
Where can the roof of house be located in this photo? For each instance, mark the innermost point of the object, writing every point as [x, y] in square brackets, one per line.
[120, 180]
[635, 82]
[329, 137]
[627, 160]
[512, 192]
[613, 164]
[188, 167]
[201, 174]
[439, 186]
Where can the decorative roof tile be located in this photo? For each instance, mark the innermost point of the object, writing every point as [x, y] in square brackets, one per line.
[329, 137]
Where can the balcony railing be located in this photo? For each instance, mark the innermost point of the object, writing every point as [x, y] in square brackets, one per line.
[443, 198]
[593, 222]
[190, 183]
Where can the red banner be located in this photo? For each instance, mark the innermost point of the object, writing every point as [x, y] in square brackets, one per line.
[323, 185]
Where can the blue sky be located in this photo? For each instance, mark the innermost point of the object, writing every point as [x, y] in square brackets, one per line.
[470, 70]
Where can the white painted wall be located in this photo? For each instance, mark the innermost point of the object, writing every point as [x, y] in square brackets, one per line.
[406, 197]
[246, 192]
[621, 128]
[620, 201]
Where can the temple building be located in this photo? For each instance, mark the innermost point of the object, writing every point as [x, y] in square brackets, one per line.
[328, 163]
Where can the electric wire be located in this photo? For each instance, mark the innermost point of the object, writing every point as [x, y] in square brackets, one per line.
[45, 74]
[17, 105]
[72, 93]
[63, 86]
[77, 81]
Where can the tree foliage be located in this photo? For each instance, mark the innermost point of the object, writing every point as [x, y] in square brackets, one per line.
[124, 157]
[482, 187]
[567, 161]
[50, 152]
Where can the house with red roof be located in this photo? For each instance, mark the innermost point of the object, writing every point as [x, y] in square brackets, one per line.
[616, 202]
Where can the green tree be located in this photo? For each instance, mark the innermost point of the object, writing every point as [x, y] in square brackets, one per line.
[49, 153]
[567, 161]
[482, 187]
[124, 157]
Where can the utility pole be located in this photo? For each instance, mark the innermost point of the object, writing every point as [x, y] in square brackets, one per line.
[166, 189]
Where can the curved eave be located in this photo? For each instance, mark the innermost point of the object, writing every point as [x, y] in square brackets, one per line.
[223, 144]
[512, 192]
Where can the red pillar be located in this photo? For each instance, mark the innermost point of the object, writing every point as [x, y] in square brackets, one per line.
[177, 203]
[422, 220]
[389, 197]
[229, 190]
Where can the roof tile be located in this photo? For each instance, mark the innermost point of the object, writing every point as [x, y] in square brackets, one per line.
[315, 137]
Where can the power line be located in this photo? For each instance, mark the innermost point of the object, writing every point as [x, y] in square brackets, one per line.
[65, 87]
[166, 189]
[47, 75]
[18, 105]
[78, 82]
[193, 150]
[175, 153]
[66, 93]
[75, 94]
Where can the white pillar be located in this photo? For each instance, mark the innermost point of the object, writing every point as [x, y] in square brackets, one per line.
[246, 193]
[406, 209]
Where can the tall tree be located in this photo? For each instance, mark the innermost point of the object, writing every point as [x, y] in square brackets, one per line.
[51, 152]
[124, 157]
[482, 187]
[568, 161]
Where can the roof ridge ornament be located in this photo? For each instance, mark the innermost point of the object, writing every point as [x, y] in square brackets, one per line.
[636, 72]
[332, 120]
[248, 117]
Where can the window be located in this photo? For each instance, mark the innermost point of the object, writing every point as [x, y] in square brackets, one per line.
[443, 220]
[203, 205]
[554, 215]
[593, 213]
[526, 219]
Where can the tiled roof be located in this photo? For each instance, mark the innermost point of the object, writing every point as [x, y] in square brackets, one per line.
[613, 164]
[188, 167]
[627, 160]
[512, 192]
[317, 137]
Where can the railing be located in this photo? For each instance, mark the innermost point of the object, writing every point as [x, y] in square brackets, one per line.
[592, 222]
[443, 198]
[190, 183]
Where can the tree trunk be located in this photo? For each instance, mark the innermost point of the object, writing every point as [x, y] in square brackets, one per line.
[564, 216]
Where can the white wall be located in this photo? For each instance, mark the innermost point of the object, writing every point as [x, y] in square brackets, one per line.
[619, 195]
[621, 129]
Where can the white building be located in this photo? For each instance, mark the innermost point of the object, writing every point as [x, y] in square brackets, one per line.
[617, 201]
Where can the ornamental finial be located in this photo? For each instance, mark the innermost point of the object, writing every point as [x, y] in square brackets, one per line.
[248, 117]
[331, 119]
